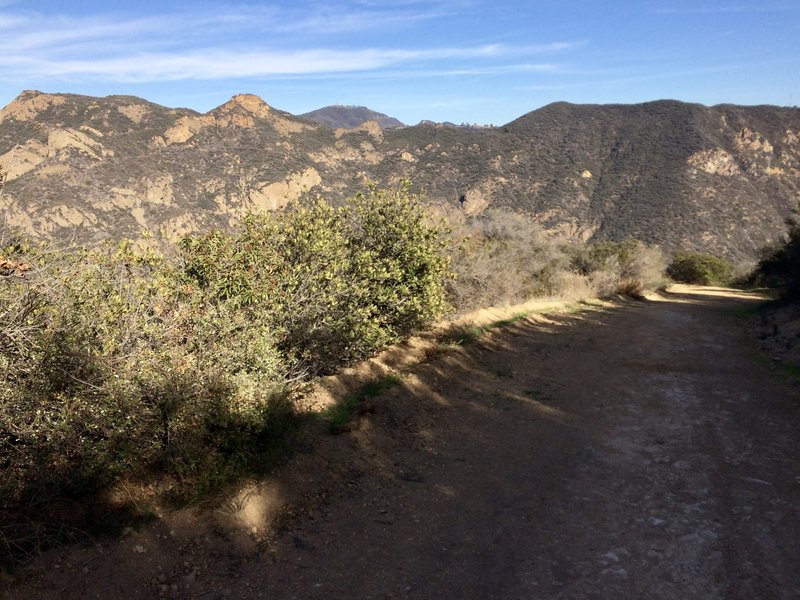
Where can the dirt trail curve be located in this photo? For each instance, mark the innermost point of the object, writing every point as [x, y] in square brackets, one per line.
[643, 451]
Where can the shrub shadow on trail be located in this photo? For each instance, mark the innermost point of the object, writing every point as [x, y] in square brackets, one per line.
[462, 469]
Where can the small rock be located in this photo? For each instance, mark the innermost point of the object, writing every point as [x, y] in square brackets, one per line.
[139, 549]
[611, 556]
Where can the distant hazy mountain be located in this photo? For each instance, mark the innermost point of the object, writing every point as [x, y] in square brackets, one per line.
[721, 179]
[349, 117]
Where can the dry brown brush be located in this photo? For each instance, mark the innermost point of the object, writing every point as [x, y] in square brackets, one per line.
[503, 257]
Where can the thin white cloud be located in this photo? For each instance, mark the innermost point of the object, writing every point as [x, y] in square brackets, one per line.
[224, 64]
[65, 32]
[333, 19]
[401, 72]
[492, 70]
[244, 41]
[10, 21]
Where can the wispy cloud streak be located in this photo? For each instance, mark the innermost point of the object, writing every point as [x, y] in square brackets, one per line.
[210, 46]
[219, 64]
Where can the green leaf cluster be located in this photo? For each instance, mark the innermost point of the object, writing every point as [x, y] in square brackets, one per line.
[333, 284]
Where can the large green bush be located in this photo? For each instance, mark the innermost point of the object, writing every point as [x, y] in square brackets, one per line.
[110, 370]
[117, 363]
[332, 284]
[699, 269]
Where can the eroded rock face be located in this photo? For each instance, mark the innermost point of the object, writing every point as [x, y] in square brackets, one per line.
[26, 157]
[373, 128]
[274, 196]
[249, 102]
[135, 112]
[185, 129]
[715, 161]
[244, 111]
[753, 141]
[159, 191]
[477, 199]
[46, 221]
[789, 155]
[22, 159]
[70, 139]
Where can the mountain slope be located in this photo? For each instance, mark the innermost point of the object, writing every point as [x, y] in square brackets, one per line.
[721, 179]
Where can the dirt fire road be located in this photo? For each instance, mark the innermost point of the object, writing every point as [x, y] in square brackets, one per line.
[644, 450]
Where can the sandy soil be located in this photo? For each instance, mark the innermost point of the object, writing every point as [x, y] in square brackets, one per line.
[641, 450]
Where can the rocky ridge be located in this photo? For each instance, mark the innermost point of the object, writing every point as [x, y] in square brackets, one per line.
[722, 179]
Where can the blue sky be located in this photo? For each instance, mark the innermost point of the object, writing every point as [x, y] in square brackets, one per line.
[476, 61]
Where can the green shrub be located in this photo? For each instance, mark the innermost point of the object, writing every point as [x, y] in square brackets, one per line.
[117, 360]
[110, 370]
[699, 269]
[398, 259]
[332, 284]
[119, 363]
[605, 255]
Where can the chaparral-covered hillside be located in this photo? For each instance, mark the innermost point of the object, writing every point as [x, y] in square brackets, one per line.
[719, 179]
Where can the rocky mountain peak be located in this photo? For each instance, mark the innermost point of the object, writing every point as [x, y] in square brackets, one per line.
[248, 102]
[29, 104]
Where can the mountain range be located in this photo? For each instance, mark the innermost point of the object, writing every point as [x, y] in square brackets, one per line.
[721, 179]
